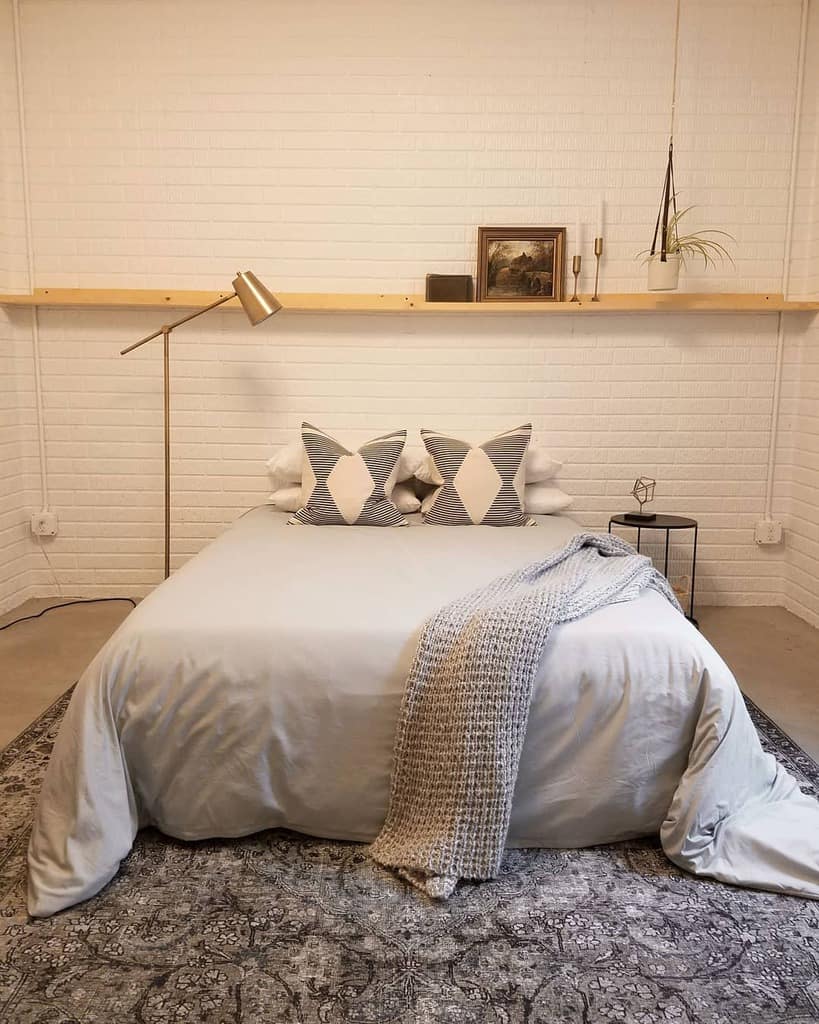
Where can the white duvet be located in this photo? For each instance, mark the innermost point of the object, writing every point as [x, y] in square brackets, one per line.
[260, 687]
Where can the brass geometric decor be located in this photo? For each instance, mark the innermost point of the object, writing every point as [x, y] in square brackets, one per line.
[643, 491]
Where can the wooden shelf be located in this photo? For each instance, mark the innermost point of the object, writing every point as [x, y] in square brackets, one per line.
[306, 302]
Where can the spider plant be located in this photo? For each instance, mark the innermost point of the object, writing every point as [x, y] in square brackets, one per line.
[690, 246]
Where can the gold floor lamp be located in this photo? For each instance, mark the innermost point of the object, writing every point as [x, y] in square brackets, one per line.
[258, 303]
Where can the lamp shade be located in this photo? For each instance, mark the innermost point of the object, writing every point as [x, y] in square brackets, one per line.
[257, 302]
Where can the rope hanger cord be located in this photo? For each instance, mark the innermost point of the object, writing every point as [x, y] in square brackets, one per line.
[674, 71]
[669, 195]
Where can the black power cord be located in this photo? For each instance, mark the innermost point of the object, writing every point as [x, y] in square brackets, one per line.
[65, 604]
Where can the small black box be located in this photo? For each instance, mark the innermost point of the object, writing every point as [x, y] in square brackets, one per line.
[449, 288]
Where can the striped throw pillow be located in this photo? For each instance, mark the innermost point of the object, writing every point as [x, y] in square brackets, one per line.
[478, 484]
[343, 488]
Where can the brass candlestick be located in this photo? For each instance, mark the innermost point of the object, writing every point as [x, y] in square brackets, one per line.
[576, 261]
[598, 252]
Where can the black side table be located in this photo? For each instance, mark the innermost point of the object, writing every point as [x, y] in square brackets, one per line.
[667, 523]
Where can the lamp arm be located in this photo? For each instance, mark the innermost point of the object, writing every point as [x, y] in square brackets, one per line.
[183, 320]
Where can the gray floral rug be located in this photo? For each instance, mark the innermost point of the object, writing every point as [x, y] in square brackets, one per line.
[283, 928]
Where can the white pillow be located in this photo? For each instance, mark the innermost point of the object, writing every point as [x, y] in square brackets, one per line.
[286, 465]
[288, 499]
[405, 499]
[409, 463]
[427, 473]
[539, 465]
[544, 499]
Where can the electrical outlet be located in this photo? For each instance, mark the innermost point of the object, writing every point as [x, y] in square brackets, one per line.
[768, 531]
[44, 524]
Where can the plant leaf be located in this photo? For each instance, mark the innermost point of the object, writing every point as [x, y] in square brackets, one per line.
[695, 244]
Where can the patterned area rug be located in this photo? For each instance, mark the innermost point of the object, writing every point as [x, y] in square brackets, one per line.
[283, 928]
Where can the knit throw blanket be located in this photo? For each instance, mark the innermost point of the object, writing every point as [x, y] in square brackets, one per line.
[466, 703]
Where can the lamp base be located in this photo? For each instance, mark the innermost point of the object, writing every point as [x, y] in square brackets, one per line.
[640, 517]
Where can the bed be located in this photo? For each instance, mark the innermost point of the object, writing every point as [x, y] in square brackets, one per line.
[260, 686]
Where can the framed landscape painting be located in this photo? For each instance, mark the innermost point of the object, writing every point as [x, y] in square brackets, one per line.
[520, 264]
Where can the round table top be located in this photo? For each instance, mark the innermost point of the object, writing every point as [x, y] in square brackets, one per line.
[660, 522]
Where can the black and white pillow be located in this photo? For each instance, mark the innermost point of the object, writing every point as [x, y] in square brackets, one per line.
[478, 484]
[344, 488]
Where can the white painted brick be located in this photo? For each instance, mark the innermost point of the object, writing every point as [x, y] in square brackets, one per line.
[798, 466]
[17, 479]
[363, 158]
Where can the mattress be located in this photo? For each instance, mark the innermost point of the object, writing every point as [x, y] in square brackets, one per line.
[260, 686]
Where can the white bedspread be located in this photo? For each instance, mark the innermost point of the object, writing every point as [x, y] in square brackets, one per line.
[260, 687]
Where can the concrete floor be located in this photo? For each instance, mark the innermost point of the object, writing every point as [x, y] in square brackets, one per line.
[773, 654]
[40, 659]
[775, 658]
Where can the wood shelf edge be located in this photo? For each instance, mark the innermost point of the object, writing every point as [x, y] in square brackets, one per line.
[307, 302]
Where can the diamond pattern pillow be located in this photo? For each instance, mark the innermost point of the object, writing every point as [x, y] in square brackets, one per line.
[482, 484]
[343, 488]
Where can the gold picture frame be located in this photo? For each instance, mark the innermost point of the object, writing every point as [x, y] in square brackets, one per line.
[521, 264]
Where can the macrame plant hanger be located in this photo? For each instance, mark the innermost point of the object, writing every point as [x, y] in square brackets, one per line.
[668, 200]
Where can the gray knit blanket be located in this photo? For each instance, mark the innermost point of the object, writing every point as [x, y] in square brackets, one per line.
[466, 704]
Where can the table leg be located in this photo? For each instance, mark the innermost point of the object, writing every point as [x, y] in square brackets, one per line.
[665, 570]
[639, 531]
[693, 576]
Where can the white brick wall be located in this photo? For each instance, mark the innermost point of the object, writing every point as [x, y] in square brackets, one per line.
[355, 147]
[684, 398]
[18, 481]
[799, 463]
[12, 498]
[805, 263]
[13, 261]
[799, 475]
[16, 371]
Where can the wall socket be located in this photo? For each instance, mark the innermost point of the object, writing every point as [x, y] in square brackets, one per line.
[44, 524]
[768, 531]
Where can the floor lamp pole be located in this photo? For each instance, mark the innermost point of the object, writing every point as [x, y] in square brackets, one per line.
[165, 331]
[258, 304]
[166, 367]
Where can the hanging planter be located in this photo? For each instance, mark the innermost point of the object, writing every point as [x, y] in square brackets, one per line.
[664, 263]
[669, 249]
[663, 274]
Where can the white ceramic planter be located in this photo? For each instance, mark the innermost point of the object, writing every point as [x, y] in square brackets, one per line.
[663, 276]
